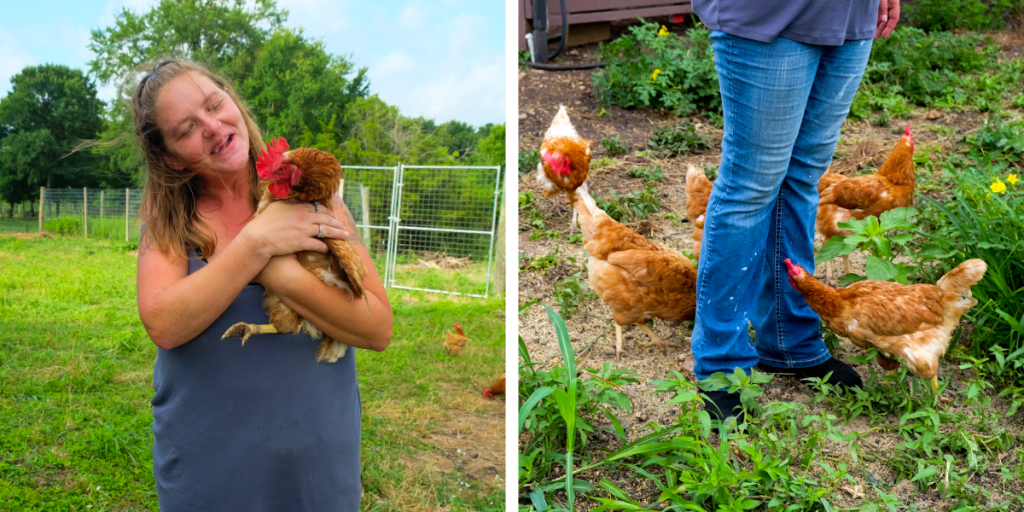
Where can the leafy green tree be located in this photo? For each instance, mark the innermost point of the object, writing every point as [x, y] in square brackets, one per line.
[297, 86]
[380, 135]
[49, 110]
[223, 34]
[491, 149]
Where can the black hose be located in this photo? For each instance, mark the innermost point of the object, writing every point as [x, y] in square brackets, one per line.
[565, 32]
[564, 67]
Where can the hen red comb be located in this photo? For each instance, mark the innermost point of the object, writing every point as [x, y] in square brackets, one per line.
[271, 158]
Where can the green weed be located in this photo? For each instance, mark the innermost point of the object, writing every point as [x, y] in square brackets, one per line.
[677, 140]
[653, 173]
[614, 145]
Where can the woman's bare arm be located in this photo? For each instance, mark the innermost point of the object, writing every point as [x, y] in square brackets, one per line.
[329, 308]
[175, 307]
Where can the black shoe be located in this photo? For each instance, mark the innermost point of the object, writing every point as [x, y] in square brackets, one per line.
[722, 404]
[842, 373]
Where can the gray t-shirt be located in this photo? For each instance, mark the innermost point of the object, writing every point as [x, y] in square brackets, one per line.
[821, 22]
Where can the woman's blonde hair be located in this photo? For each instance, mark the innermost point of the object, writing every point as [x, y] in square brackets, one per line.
[170, 197]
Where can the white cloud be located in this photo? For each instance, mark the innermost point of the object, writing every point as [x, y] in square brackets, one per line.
[15, 58]
[474, 94]
[395, 63]
[320, 19]
[412, 17]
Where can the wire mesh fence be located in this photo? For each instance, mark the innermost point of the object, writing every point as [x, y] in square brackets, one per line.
[427, 228]
[369, 194]
[444, 229]
[93, 213]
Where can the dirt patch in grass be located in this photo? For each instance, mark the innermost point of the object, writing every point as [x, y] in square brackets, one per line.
[467, 443]
[862, 148]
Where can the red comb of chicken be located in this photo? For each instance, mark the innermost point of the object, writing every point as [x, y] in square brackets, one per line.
[271, 168]
[559, 164]
[794, 270]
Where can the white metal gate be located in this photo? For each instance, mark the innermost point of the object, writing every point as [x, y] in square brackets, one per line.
[433, 226]
[443, 229]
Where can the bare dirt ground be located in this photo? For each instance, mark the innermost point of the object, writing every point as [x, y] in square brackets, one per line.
[862, 148]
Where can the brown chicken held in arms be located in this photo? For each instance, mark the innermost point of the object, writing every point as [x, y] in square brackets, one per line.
[843, 198]
[564, 160]
[639, 279]
[305, 175]
[912, 322]
[455, 341]
[498, 388]
[698, 191]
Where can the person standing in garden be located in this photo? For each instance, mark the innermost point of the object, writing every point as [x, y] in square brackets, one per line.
[788, 72]
[264, 427]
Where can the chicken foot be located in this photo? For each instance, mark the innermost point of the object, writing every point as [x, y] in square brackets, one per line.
[655, 339]
[935, 389]
[245, 331]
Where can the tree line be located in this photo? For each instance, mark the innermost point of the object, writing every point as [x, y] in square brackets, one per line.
[292, 85]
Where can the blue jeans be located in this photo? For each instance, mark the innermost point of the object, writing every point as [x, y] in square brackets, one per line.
[784, 103]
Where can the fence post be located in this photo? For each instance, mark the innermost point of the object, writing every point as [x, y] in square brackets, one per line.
[101, 203]
[85, 210]
[126, 201]
[499, 249]
[42, 191]
[364, 193]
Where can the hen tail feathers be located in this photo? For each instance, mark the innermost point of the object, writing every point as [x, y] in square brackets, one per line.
[963, 277]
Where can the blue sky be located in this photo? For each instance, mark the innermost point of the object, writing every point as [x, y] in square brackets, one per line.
[441, 59]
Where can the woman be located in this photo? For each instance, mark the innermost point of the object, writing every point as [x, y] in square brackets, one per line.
[788, 72]
[260, 427]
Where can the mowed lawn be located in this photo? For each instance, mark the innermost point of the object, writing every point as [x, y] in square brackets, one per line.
[76, 373]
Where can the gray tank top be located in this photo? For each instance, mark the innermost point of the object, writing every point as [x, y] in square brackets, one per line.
[821, 22]
[262, 427]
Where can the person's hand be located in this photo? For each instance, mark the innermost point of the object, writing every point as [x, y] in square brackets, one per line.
[888, 15]
[284, 228]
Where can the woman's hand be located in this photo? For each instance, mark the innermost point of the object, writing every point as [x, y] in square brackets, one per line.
[888, 15]
[284, 228]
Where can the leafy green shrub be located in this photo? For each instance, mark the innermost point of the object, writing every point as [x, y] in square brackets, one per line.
[645, 69]
[935, 15]
[655, 173]
[1003, 139]
[873, 235]
[614, 145]
[678, 139]
[528, 160]
[65, 226]
[912, 66]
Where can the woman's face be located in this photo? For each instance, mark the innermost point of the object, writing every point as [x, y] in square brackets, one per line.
[202, 128]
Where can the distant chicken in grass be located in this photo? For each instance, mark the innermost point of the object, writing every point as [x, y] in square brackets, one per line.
[498, 388]
[639, 279]
[305, 175]
[564, 160]
[455, 341]
[843, 198]
[698, 191]
[912, 322]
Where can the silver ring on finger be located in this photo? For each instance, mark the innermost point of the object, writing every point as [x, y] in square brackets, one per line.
[320, 234]
[316, 206]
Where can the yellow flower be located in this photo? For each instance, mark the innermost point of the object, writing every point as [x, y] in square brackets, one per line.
[654, 76]
[1012, 179]
[663, 32]
[998, 187]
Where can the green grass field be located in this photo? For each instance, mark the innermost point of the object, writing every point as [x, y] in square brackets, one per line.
[75, 383]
